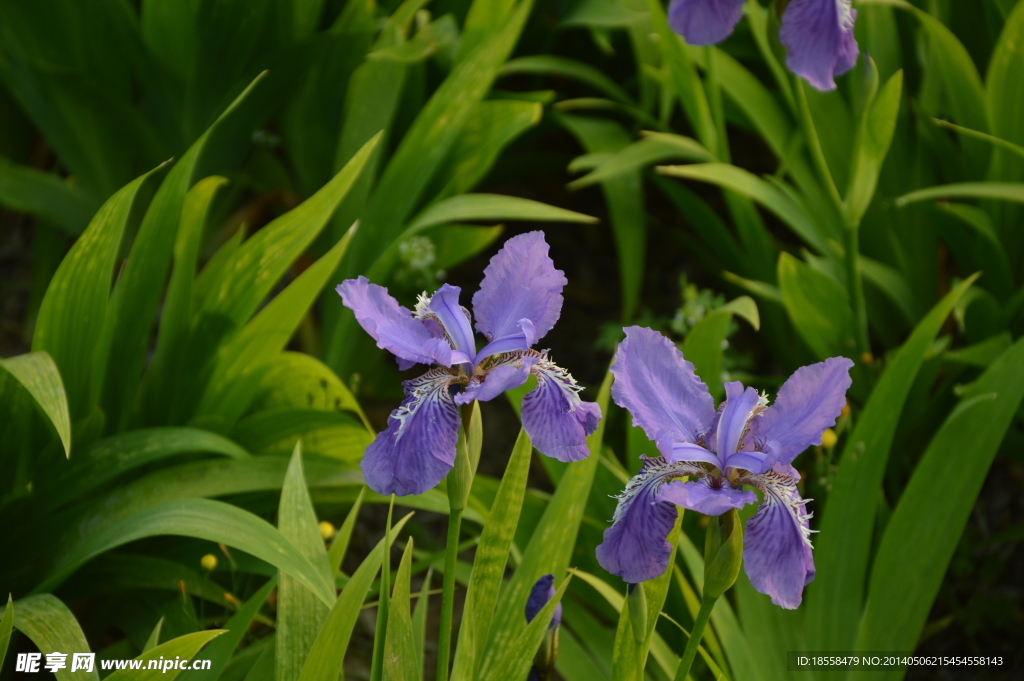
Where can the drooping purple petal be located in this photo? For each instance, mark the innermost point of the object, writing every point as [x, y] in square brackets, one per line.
[777, 546]
[660, 389]
[418, 447]
[393, 326]
[704, 22]
[520, 282]
[634, 547]
[509, 371]
[819, 37]
[556, 419]
[700, 496]
[454, 319]
[808, 403]
[739, 405]
[543, 591]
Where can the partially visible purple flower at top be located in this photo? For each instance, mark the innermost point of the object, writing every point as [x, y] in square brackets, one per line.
[818, 34]
[543, 591]
[744, 442]
[519, 301]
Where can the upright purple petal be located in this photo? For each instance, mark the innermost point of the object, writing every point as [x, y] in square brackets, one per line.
[520, 282]
[704, 22]
[453, 318]
[808, 403]
[706, 495]
[660, 389]
[739, 406]
[819, 37]
[393, 326]
[543, 591]
[523, 340]
[556, 419]
[777, 546]
[634, 547]
[418, 447]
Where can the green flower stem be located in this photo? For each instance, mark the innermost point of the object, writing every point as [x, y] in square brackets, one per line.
[696, 634]
[860, 314]
[814, 147]
[448, 593]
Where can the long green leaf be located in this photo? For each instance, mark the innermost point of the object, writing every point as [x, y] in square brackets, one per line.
[551, 65]
[138, 290]
[515, 660]
[204, 519]
[241, 361]
[490, 561]
[467, 207]
[74, 310]
[400, 647]
[114, 456]
[818, 306]
[52, 627]
[1000, 191]
[38, 373]
[835, 598]
[45, 195]
[299, 613]
[921, 535]
[874, 136]
[218, 652]
[753, 187]
[328, 652]
[166, 654]
[550, 546]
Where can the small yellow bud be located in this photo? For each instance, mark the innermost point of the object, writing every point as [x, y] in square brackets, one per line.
[230, 598]
[867, 358]
[327, 530]
[829, 438]
[209, 562]
[846, 410]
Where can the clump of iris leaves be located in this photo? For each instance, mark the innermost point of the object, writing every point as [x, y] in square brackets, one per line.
[199, 175]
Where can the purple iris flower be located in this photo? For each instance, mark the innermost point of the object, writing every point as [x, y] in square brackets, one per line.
[519, 301]
[818, 34]
[744, 442]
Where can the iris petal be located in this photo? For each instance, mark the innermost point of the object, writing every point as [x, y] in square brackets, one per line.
[704, 22]
[819, 37]
[418, 447]
[634, 547]
[698, 495]
[453, 317]
[777, 546]
[660, 389]
[393, 326]
[739, 405]
[520, 282]
[807, 404]
[556, 419]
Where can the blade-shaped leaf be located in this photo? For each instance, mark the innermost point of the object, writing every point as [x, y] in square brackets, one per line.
[204, 519]
[299, 613]
[167, 655]
[400, 647]
[328, 652]
[871, 147]
[921, 535]
[52, 627]
[218, 652]
[834, 599]
[491, 559]
[45, 195]
[38, 373]
[491, 207]
[818, 306]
